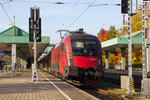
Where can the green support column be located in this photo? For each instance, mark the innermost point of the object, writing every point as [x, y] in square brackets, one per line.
[21, 60]
[123, 60]
[13, 55]
[106, 60]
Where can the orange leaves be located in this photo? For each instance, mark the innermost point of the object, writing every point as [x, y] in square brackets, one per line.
[114, 59]
[137, 57]
[102, 35]
[1, 57]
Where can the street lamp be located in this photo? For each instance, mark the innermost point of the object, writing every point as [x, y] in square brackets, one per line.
[10, 23]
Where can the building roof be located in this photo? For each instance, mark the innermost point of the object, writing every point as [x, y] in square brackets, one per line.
[122, 42]
[15, 35]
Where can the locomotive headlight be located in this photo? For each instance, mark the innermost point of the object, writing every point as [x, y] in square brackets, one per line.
[70, 62]
[99, 61]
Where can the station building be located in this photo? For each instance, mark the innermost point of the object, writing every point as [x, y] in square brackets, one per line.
[120, 45]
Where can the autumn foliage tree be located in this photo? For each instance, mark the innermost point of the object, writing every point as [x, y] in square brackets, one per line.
[137, 22]
[112, 32]
[121, 33]
[102, 35]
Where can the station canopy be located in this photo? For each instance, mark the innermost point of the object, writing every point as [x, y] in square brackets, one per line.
[122, 42]
[15, 35]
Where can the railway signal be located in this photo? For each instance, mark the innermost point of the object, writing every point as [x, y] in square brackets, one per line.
[34, 36]
[38, 36]
[31, 25]
[34, 22]
[124, 6]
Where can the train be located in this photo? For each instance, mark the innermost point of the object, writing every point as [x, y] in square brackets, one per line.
[76, 57]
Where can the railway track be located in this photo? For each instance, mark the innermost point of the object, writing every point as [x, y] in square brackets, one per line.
[96, 91]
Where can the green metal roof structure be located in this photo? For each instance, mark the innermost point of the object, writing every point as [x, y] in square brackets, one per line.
[122, 42]
[15, 35]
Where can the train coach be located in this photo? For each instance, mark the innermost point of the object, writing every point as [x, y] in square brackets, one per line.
[76, 57]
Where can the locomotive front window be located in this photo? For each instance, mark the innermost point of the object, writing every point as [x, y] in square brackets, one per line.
[84, 48]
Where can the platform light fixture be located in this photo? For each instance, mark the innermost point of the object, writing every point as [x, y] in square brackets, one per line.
[10, 23]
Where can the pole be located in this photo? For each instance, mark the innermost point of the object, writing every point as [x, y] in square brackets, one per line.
[123, 31]
[136, 5]
[13, 50]
[13, 25]
[13, 54]
[144, 45]
[146, 19]
[34, 71]
[148, 48]
[130, 90]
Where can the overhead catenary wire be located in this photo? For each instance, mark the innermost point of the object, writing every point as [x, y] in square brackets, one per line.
[47, 2]
[81, 14]
[65, 3]
[91, 5]
[77, 2]
[5, 11]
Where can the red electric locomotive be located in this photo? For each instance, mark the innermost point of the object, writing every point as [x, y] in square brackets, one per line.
[77, 57]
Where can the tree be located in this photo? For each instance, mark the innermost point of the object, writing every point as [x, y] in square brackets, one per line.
[102, 35]
[137, 57]
[112, 32]
[137, 22]
[120, 33]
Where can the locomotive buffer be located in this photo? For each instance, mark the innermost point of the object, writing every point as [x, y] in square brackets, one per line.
[34, 36]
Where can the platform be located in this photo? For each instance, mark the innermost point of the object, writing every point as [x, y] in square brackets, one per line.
[20, 87]
[116, 75]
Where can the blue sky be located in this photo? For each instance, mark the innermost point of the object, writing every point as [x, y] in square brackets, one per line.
[54, 16]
